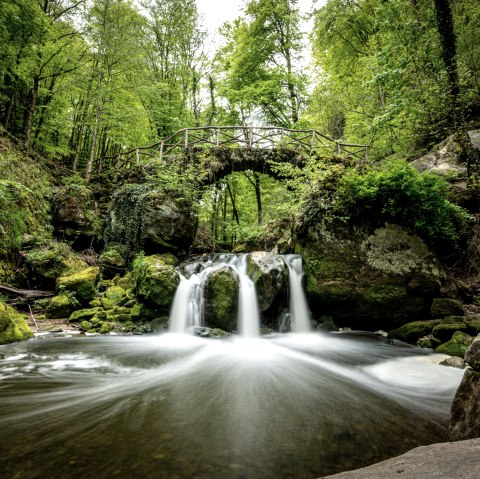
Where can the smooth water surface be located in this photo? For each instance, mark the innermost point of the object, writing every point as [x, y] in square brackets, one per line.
[178, 406]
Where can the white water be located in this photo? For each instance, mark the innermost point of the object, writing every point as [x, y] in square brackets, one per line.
[185, 311]
[299, 313]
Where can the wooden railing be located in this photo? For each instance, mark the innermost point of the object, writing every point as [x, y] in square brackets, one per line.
[303, 141]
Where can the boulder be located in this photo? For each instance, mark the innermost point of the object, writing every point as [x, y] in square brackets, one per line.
[447, 326]
[442, 307]
[60, 306]
[365, 280]
[472, 354]
[143, 217]
[84, 314]
[13, 326]
[456, 346]
[269, 274]
[465, 411]
[221, 298]
[445, 159]
[83, 283]
[413, 331]
[156, 279]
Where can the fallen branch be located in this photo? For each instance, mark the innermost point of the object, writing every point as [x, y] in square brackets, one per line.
[33, 318]
[27, 293]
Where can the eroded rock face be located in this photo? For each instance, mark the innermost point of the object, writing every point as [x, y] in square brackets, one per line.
[269, 273]
[369, 280]
[221, 298]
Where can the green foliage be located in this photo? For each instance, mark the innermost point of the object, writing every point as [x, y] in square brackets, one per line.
[395, 192]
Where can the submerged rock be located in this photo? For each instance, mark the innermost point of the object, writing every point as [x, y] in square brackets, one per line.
[269, 273]
[221, 298]
[13, 326]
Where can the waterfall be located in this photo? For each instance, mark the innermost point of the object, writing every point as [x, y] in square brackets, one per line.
[248, 312]
[185, 310]
[299, 312]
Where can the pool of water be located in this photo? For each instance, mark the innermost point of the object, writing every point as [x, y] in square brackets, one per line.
[177, 406]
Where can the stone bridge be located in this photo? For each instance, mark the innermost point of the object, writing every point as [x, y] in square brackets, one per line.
[224, 149]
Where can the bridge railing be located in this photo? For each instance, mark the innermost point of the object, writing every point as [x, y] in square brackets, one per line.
[303, 141]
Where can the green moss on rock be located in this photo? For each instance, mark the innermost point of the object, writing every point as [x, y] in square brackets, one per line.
[413, 331]
[13, 326]
[83, 314]
[156, 279]
[60, 306]
[443, 307]
[444, 330]
[82, 283]
[457, 345]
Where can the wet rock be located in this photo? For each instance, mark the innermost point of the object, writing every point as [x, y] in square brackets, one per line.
[205, 332]
[413, 331]
[82, 283]
[84, 314]
[269, 273]
[465, 411]
[221, 298]
[454, 362]
[13, 326]
[156, 279]
[446, 327]
[442, 307]
[456, 346]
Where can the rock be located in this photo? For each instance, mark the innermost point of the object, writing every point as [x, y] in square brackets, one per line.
[372, 281]
[446, 327]
[413, 331]
[48, 262]
[204, 332]
[459, 460]
[465, 411]
[472, 354]
[269, 273]
[60, 306]
[428, 341]
[221, 298]
[142, 217]
[159, 325]
[456, 346]
[442, 307]
[114, 256]
[445, 160]
[13, 326]
[114, 296]
[75, 215]
[82, 283]
[156, 279]
[84, 314]
[454, 362]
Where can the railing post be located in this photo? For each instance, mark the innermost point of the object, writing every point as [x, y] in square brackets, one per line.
[186, 138]
[312, 142]
[161, 150]
[250, 137]
[366, 153]
[137, 156]
[217, 141]
[339, 148]
[118, 161]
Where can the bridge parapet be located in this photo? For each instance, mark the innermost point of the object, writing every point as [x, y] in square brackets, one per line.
[209, 137]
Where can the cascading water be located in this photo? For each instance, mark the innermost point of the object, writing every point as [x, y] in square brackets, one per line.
[299, 312]
[242, 407]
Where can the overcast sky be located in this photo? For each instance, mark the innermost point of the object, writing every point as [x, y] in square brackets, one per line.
[216, 12]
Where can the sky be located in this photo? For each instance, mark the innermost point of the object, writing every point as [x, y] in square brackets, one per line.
[216, 12]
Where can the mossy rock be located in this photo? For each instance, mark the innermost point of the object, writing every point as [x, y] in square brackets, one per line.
[50, 261]
[456, 346]
[83, 314]
[60, 306]
[443, 307]
[447, 326]
[82, 283]
[114, 255]
[127, 282]
[13, 326]
[413, 331]
[221, 298]
[156, 279]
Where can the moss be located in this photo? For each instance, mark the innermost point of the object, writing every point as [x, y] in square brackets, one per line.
[86, 326]
[413, 331]
[221, 298]
[105, 328]
[126, 282]
[457, 345]
[13, 326]
[83, 314]
[444, 330]
[442, 307]
[83, 283]
[95, 303]
[136, 312]
[156, 279]
[116, 295]
[60, 306]
[115, 255]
